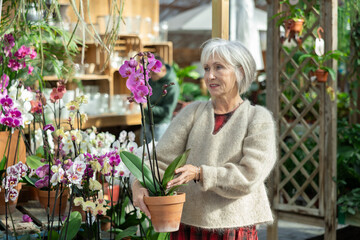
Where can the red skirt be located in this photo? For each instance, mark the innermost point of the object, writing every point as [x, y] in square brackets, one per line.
[194, 233]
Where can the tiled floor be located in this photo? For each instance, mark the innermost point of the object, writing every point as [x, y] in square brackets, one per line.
[292, 231]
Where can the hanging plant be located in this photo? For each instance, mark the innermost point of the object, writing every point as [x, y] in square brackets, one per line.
[293, 20]
[320, 57]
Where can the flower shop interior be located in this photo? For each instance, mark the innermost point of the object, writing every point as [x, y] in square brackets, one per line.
[68, 119]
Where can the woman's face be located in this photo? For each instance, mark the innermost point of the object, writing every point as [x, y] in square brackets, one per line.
[220, 78]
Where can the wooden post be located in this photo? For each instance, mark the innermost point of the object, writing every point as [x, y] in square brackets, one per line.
[329, 23]
[272, 103]
[220, 19]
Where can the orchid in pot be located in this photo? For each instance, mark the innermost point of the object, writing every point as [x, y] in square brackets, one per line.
[136, 71]
[320, 57]
[75, 163]
[15, 67]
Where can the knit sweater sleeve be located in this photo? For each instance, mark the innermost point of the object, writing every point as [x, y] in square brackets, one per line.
[174, 141]
[235, 179]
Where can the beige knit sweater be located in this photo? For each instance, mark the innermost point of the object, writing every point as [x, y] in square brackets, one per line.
[235, 163]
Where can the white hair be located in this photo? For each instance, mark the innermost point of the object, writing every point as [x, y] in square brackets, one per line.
[234, 54]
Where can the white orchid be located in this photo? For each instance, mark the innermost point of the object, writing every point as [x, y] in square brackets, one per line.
[293, 2]
[319, 46]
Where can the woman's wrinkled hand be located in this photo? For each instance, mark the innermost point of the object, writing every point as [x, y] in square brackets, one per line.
[187, 173]
[138, 197]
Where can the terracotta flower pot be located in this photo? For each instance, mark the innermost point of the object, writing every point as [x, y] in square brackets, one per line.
[27, 193]
[321, 75]
[293, 26]
[43, 199]
[166, 211]
[14, 156]
[12, 204]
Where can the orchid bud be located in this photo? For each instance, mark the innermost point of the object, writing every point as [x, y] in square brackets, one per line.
[165, 86]
[164, 92]
[133, 63]
[150, 55]
[140, 54]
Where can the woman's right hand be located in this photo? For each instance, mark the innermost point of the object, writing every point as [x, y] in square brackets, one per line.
[139, 192]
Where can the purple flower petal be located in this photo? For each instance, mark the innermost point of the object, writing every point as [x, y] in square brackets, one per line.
[26, 218]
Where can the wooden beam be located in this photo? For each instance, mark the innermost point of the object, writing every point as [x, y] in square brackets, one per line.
[220, 19]
[328, 21]
[272, 103]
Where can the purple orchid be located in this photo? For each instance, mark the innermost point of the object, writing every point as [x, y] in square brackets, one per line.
[42, 171]
[26, 218]
[6, 102]
[140, 94]
[114, 160]
[44, 182]
[49, 127]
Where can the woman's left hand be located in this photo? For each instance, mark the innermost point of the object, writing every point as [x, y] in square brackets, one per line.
[187, 173]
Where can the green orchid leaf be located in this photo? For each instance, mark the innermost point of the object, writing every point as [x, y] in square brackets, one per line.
[170, 170]
[29, 181]
[134, 164]
[73, 226]
[331, 72]
[173, 189]
[34, 161]
[3, 163]
[130, 231]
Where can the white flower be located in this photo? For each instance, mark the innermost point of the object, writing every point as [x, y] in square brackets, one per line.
[131, 136]
[319, 46]
[94, 185]
[293, 2]
[122, 136]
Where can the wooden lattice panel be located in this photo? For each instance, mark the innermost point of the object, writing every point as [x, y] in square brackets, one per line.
[299, 127]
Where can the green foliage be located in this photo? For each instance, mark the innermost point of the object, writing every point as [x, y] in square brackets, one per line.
[34, 161]
[135, 166]
[189, 91]
[294, 12]
[348, 166]
[72, 226]
[335, 54]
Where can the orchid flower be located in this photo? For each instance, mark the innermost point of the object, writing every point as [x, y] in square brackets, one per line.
[319, 46]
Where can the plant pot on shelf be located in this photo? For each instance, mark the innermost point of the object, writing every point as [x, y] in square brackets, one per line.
[43, 199]
[15, 151]
[166, 211]
[27, 193]
[321, 75]
[11, 204]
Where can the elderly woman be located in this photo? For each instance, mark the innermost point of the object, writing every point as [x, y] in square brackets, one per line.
[233, 150]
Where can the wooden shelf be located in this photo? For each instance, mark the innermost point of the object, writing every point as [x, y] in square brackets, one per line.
[113, 120]
[81, 77]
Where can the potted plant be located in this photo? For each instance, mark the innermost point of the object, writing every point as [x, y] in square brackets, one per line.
[320, 57]
[136, 71]
[293, 18]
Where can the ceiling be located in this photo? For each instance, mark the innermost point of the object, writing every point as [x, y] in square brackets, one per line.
[170, 8]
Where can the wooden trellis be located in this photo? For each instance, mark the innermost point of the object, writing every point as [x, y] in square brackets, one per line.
[303, 189]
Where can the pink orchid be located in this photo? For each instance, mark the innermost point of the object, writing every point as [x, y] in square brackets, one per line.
[140, 93]
[22, 52]
[44, 182]
[4, 81]
[56, 95]
[154, 65]
[31, 69]
[26, 218]
[13, 194]
[125, 70]
[33, 54]
[36, 106]
[14, 65]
